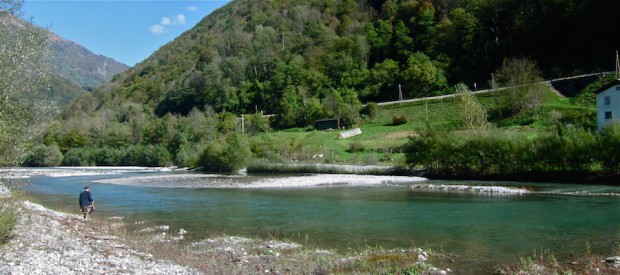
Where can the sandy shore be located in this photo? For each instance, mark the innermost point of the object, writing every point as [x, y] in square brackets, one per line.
[50, 242]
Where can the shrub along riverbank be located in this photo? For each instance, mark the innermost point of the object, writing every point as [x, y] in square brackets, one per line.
[566, 154]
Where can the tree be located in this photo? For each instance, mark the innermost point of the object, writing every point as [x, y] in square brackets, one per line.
[288, 108]
[23, 53]
[312, 110]
[370, 110]
[382, 77]
[423, 25]
[457, 38]
[379, 37]
[228, 155]
[403, 42]
[343, 104]
[256, 123]
[422, 76]
[473, 114]
[525, 87]
[44, 156]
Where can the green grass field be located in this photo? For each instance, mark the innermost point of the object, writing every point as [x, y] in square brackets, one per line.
[381, 142]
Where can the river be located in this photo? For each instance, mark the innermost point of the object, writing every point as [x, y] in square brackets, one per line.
[480, 230]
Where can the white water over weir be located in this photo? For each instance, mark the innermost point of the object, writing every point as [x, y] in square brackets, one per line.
[474, 189]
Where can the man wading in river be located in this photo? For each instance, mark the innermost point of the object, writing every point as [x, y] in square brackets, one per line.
[86, 202]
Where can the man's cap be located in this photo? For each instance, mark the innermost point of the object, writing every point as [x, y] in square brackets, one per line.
[86, 187]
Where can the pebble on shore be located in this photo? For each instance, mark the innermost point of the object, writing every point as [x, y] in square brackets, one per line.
[4, 192]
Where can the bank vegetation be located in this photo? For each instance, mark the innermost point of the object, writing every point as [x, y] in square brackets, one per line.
[567, 154]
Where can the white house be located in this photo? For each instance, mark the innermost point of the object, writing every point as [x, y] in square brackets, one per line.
[608, 104]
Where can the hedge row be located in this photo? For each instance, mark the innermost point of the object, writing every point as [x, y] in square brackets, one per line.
[566, 151]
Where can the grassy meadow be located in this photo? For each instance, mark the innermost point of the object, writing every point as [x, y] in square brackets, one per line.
[383, 142]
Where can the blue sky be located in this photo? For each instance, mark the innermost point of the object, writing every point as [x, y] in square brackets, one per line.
[128, 31]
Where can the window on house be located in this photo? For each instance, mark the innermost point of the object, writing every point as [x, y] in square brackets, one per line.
[608, 100]
[607, 115]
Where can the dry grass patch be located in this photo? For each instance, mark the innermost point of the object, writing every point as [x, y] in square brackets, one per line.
[402, 135]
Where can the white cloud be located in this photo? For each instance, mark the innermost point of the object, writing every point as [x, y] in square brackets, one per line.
[165, 21]
[192, 8]
[160, 28]
[157, 29]
[179, 19]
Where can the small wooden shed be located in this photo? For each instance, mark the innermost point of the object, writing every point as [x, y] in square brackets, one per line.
[327, 124]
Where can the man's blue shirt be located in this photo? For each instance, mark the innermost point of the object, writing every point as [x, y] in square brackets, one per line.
[85, 199]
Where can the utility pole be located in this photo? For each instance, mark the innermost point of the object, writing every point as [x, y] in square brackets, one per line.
[617, 66]
[400, 93]
[242, 125]
[495, 96]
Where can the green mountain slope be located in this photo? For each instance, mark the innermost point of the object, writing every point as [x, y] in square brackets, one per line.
[310, 59]
[307, 60]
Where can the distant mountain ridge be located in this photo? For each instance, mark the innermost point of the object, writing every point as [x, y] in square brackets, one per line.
[74, 69]
[74, 62]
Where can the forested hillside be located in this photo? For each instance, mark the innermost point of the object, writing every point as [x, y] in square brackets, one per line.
[304, 60]
[307, 60]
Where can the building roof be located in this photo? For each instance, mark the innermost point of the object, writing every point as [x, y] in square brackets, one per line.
[607, 86]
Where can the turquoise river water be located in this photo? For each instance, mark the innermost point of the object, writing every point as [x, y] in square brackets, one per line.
[479, 230]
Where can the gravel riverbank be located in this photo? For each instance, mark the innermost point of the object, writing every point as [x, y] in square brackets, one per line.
[50, 242]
